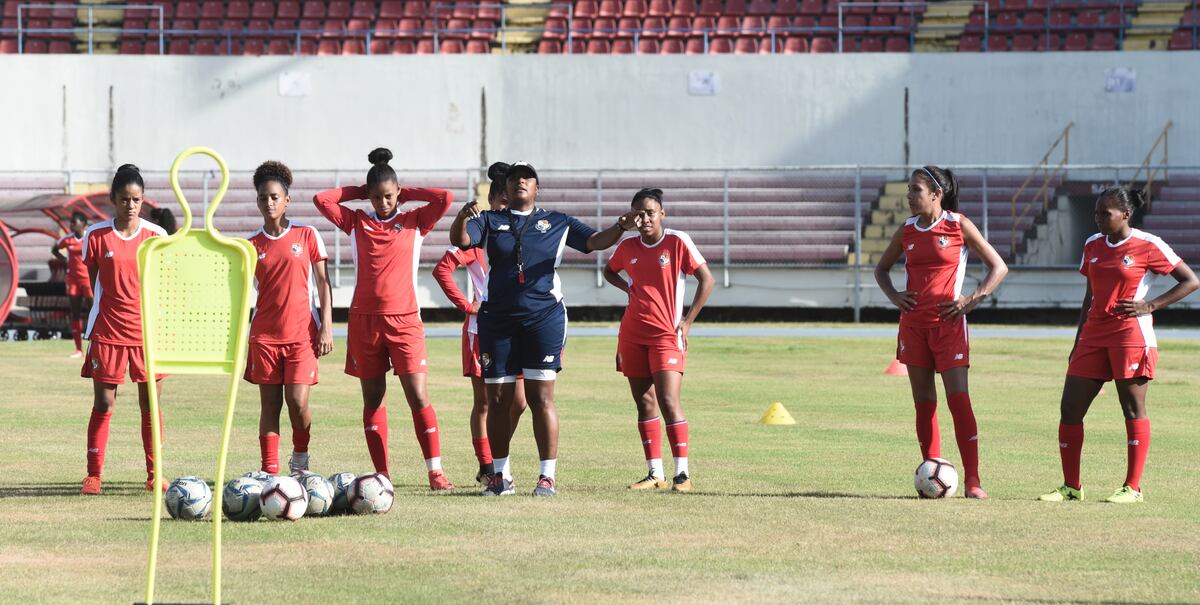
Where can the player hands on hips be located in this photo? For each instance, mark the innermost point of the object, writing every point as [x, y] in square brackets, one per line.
[523, 322]
[933, 311]
[652, 343]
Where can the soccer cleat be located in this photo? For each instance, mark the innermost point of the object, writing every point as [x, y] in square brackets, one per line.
[1125, 495]
[438, 481]
[1062, 494]
[650, 482]
[91, 486]
[975, 492]
[681, 483]
[298, 462]
[498, 486]
[150, 485]
[545, 487]
[76, 355]
[482, 478]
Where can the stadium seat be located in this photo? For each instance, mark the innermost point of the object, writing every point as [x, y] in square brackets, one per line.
[458, 28]
[746, 46]
[555, 29]
[702, 25]
[672, 46]
[720, 46]
[623, 46]
[586, 9]
[128, 47]
[654, 27]
[207, 47]
[362, 9]
[695, 46]
[312, 9]
[414, 10]
[404, 47]
[753, 24]
[279, 47]
[1006, 21]
[380, 46]
[60, 47]
[728, 25]
[970, 43]
[581, 29]
[251, 47]
[822, 45]
[1034, 19]
[648, 46]
[1024, 43]
[872, 44]
[628, 27]
[609, 8]
[408, 28]
[187, 10]
[679, 26]
[1060, 19]
[760, 8]
[810, 7]
[575, 47]
[425, 46]
[462, 10]
[795, 46]
[1088, 18]
[684, 8]
[1076, 41]
[735, 8]
[451, 47]
[179, 46]
[598, 47]
[548, 46]
[489, 11]
[393, 9]
[1104, 40]
[787, 7]
[1181, 39]
[354, 46]
[338, 9]
[779, 23]
[659, 8]
[604, 29]
[288, 10]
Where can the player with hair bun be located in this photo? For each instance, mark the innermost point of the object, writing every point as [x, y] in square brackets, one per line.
[288, 332]
[1115, 340]
[79, 288]
[385, 329]
[933, 311]
[652, 344]
[477, 271]
[114, 326]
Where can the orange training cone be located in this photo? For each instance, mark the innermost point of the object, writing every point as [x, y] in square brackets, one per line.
[896, 369]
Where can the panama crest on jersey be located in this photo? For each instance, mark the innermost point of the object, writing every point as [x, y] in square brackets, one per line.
[1127, 261]
[542, 225]
[943, 241]
[663, 259]
[296, 249]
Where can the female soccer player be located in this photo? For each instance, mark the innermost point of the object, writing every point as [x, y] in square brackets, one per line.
[523, 323]
[286, 335]
[385, 328]
[115, 323]
[476, 265]
[79, 288]
[652, 345]
[1115, 340]
[933, 311]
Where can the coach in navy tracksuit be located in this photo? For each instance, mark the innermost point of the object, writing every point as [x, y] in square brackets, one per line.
[522, 321]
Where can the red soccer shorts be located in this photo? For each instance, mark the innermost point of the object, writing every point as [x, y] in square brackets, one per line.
[291, 363]
[636, 360]
[79, 288]
[470, 355]
[940, 347]
[107, 363]
[375, 343]
[1113, 363]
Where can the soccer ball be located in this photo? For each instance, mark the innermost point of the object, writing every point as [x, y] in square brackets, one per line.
[240, 499]
[188, 498]
[340, 483]
[936, 478]
[320, 493]
[283, 498]
[259, 476]
[371, 493]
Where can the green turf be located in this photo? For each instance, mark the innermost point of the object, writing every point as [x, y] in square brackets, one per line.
[821, 511]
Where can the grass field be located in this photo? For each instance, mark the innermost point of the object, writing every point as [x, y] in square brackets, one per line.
[821, 511]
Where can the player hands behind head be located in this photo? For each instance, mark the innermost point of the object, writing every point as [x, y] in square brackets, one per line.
[523, 322]
[477, 271]
[115, 322]
[79, 287]
[1115, 340]
[933, 310]
[288, 332]
[652, 344]
[385, 328]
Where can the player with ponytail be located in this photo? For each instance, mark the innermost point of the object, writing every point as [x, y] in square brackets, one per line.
[79, 288]
[933, 311]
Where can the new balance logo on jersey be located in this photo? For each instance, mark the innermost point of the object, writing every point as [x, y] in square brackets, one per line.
[1094, 259]
[548, 359]
[673, 361]
[423, 363]
[633, 261]
[372, 427]
[1133, 442]
[108, 254]
[911, 246]
[1063, 445]
[502, 228]
[958, 356]
[430, 430]
[262, 255]
[1134, 366]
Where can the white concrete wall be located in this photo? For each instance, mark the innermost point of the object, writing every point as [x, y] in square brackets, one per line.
[589, 112]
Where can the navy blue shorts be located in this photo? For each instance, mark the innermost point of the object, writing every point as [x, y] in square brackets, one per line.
[510, 345]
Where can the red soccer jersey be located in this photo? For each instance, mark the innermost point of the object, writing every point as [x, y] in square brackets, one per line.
[1119, 271]
[73, 244]
[286, 311]
[935, 259]
[656, 284]
[386, 251]
[116, 316]
[475, 260]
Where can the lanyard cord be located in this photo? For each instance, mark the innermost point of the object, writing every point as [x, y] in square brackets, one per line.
[519, 235]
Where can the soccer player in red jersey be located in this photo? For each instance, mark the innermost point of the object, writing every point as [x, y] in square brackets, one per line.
[385, 328]
[475, 262]
[288, 332]
[79, 287]
[114, 326]
[933, 311]
[652, 345]
[1115, 340]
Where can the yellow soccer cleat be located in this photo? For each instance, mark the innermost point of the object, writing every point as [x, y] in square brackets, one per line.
[650, 483]
[1125, 495]
[1062, 494]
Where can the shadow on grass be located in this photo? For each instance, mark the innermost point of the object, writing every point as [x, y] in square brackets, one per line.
[809, 494]
[58, 490]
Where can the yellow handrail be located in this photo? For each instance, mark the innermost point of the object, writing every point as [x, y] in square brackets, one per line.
[1044, 190]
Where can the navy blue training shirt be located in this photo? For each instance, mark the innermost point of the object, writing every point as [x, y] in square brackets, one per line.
[543, 234]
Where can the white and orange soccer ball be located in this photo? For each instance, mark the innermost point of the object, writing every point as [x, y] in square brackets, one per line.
[936, 478]
[371, 493]
[283, 498]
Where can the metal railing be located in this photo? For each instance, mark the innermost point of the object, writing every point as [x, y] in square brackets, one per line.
[1048, 177]
[770, 38]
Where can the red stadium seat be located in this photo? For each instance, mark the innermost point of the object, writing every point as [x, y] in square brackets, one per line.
[787, 7]
[624, 46]
[761, 8]
[308, 26]
[736, 8]
[36, 47]
[647, 46]
[478, 47]
[393, 9]
[183, 24]
[659, 8]
[970, 43]
[634, 8]
[878, 22]
[710, 8]
[128, 47]
[746, 46]
[753, 24]
[679, 26]
[333, 28]
[555, 29]
[151, 47]
[810, 7]
[769, 47]
[1088, 18]
[1104, 41]
[575, 47]
[458, 28]
[695, 46]
[702, 25]
[451, 47]
[586, 9]
[609, 8]
[279, 47]
[354, 47]
[259, 27]
[795, 46]
[338, 9]
[1076, 41]
[871, 44]
[822, 45]
[1060, 20]
[720, 46]
[728, 25]
[425, 46]
[380, 46]
[1182, 39]
[483, 30]
[408, 28]
[598, 47]
[490, 11]
[627, 27]
[404, 47]
[654, 27]
[358, 28]
[779, 23]
[332, 47]
[414, 10]
[604, 29]
[672, 46]
[1113, 19]
[462, 10]
[854, 23]
[288, 9]
[684, 8]
[362, 9]
[186, 10]
[251, 47]
[60, 47]
[1005, 21]
[549, 47]
[312, 9]
[212, 9]
[262, 9]
[1023, 43]
[581, 29]
[896, 44]
[1034, 19]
